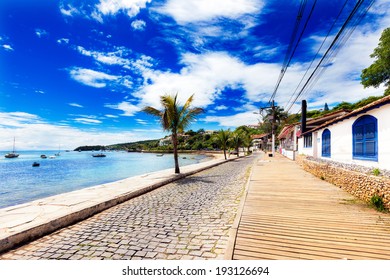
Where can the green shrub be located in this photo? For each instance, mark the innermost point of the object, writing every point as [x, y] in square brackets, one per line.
[377, 202]
[376, 172]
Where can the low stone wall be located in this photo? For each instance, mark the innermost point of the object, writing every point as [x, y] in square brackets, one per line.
[361, 185]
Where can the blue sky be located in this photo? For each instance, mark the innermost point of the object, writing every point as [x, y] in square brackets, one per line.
[79, 72]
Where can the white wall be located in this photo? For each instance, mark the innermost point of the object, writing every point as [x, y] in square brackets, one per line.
[302, 150]
[341, 140]
[288, 153]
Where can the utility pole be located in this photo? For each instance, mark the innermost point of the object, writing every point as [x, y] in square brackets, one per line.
[272, 119]
[273, 127]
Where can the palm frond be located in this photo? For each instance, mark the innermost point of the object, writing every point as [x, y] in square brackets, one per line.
[152, 111]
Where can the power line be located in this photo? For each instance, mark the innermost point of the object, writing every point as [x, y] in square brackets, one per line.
[355, 21]
[314, 58]
[333, 48]
[290, 45]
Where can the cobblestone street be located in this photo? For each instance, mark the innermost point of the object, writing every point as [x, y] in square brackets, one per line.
[188, 219]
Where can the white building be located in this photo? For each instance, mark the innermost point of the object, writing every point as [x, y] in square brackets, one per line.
[360, 137]
[289, 135]
[167, 140]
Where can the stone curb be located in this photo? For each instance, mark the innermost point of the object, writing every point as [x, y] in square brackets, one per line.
[19, 238]
[233, 230]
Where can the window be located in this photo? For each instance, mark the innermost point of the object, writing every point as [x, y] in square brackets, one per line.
[307, 141]
[326, 143]
[365, 138]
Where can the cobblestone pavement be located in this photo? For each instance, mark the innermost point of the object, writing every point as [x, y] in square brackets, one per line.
[188, 219]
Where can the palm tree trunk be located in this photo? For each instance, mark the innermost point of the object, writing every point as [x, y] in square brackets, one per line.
[224, 153]
[175, 155]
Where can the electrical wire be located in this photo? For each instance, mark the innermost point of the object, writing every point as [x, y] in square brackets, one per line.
[334, 47]
[354, 23]
[290, 46]
[314, 58]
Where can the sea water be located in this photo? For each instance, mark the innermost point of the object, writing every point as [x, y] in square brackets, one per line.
[20, 182]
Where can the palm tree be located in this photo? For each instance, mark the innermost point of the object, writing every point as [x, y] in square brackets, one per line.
[245, 135]
[236, 142]
[174, 118]
[222, 140]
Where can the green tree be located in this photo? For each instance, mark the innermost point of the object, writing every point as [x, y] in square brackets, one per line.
[379, 71]
[174, 118]
[273, 119]
[222, 140]
[236, 141]
[245, 134]
[326, 107]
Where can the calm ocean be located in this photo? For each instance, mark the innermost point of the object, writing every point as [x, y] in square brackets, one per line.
[20, 182]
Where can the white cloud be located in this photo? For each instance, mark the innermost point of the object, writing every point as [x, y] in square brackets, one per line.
[32, 132]
[221, 107]
[201, 22]
[69, 10]
[127, 108]
[41, 32]
[206, 76]
[138, 25]
[140, 121]
[233, 120]
[91, 77]
[18, 119]
[87, 121]
[340, 81]
[109, 58]
[116, 57]
[63, 41]
[7, 47]
[111, 7]
[75, 105]
[205, 10]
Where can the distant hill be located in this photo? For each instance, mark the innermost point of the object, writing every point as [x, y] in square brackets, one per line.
[135, 146]
[131, 146]
[90, 148]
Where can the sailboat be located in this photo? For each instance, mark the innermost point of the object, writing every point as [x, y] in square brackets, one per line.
[13, 154]
[59, 151]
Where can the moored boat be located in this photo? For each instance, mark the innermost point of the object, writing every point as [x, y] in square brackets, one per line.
[43, 156]
[12, 154]
[35, 164]
[99, 155]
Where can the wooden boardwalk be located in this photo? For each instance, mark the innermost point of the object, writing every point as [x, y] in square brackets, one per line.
[290, 214]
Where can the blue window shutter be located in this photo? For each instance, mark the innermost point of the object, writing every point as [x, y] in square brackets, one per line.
[326, 143]
[365, 138]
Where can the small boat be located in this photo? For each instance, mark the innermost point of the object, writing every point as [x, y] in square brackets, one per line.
[43, 156]
[159, 155]
[35, 164]
[13, 154]
[51, 157]
[99, 155]
[59, 152]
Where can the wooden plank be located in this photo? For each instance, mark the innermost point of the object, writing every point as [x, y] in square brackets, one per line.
[308, 253]
[290, 214]
[342, 251]
[314, 243]
[329, 231]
